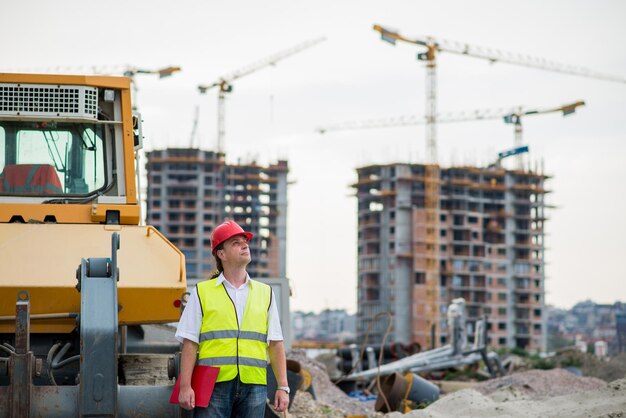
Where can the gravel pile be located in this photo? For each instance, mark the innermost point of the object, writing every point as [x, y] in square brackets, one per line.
[537, 384]
[331, 401]
[606, 402]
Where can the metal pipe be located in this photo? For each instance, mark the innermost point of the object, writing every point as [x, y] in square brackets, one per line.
[43, 316]
[404, 364]
[123, 333]
[20, 362]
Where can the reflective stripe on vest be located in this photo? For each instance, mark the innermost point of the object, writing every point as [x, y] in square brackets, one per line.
[235, 351]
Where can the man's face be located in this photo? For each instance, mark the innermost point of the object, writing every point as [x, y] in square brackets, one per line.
[236, 251]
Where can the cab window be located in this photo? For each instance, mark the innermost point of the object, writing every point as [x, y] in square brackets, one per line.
[50, 158]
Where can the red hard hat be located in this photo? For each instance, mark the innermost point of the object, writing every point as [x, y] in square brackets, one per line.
[227, 230]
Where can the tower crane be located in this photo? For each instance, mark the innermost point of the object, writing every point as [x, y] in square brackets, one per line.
[433, 47]
[512, 115]
[131, 72]
[515, 118]
[224, 83]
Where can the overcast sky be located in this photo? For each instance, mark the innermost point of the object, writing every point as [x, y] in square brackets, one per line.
[353, 75]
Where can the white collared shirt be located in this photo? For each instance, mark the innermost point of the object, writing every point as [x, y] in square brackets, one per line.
[191, 319]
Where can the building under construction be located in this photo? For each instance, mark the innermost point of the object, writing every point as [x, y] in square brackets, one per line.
[428, 235]
[191, 191]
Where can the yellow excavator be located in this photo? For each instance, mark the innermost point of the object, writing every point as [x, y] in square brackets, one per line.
[77, 268]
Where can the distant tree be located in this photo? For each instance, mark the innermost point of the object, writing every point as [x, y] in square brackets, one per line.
[557, 341]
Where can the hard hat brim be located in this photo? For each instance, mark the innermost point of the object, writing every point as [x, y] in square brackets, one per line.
[248, 235]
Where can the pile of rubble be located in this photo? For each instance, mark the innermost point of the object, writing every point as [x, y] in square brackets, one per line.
[330, 401]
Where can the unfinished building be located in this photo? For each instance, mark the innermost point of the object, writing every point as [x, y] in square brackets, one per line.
[428, 235]
[191, 191]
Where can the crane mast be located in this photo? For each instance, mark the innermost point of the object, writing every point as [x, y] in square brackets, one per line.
[431, 102]
[224, 83]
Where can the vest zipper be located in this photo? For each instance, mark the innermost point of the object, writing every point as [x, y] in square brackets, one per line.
[238, 330]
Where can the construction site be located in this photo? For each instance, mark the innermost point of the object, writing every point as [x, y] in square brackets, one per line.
[450, 308]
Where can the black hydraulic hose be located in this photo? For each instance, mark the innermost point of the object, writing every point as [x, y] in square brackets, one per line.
[8, 349]
[56, 362]
[49, 362]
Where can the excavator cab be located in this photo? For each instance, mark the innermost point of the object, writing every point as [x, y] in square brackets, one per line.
[67, 140]
[68, 193]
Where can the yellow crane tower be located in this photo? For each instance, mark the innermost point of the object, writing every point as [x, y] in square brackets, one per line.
[224, 83]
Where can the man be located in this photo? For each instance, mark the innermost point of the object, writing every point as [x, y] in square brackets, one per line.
[232, 322]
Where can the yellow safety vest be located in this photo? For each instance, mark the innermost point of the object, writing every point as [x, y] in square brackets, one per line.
[223, 344]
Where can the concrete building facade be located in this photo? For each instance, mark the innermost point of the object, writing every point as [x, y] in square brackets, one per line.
[428, 235]
[191, 191]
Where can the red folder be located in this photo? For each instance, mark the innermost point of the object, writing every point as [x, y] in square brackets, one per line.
[202, 382]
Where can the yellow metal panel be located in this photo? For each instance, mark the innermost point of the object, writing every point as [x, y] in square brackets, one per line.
[81, 80]
[129, 148]
[79, 214]
[62, 213]
[43, 259]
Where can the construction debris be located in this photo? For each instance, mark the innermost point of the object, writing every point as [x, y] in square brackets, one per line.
[331, 401]
[457, 353]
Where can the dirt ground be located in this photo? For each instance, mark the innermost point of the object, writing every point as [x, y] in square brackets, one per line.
[532, 393]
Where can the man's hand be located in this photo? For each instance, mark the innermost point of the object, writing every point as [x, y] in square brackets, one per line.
[276, 351]
[187, 398]
[281, 400]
